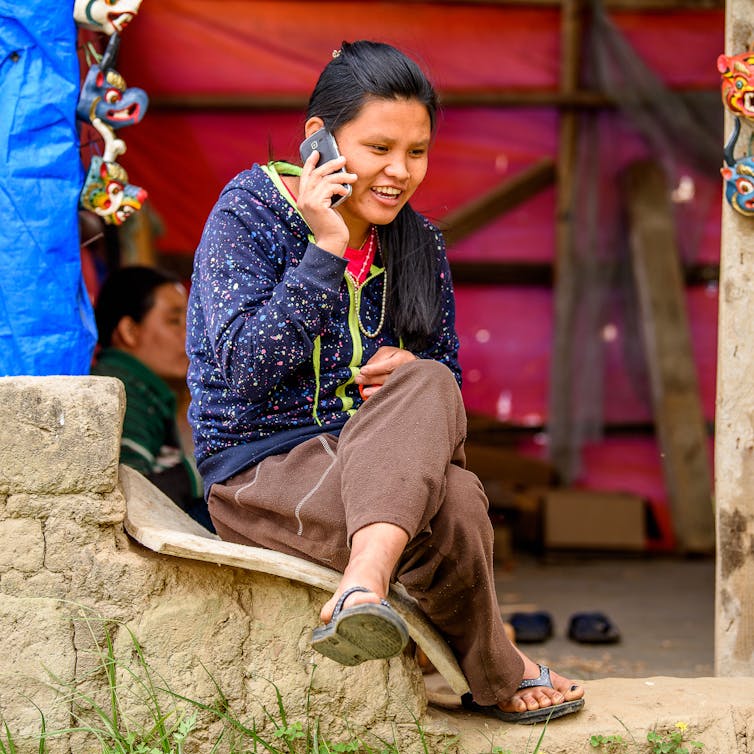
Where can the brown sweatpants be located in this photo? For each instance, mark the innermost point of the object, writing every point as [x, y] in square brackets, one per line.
[399, 459]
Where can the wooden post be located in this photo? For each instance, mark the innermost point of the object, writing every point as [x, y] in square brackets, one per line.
[678, 413]
[562, 452]
[734, 434]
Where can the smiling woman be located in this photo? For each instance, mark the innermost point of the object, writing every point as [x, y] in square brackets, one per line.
[326, 409]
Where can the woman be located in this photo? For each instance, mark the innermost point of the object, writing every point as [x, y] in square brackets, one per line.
[141, 324]
[326, 408]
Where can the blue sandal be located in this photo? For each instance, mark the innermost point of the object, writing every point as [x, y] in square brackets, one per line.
[529, 717]
[364, 632]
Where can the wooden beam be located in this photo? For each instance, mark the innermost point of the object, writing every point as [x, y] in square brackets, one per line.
[578, 99]
[563, 447]
[507, 273]
[510, 193]
[628, 5]
[675, 390]
[541, 274]
[514, 274]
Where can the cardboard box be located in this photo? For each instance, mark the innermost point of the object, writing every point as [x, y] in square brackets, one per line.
[584, 519]
[508, 467]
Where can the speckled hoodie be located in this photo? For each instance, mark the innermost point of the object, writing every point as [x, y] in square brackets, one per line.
[273, 337]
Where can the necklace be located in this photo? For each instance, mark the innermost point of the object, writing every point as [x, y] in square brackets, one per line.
[383, 308]
[367, 253]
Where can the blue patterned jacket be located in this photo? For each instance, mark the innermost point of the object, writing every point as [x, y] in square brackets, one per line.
[272, 334]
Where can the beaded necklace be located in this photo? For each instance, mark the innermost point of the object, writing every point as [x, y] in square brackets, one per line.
[374, 244]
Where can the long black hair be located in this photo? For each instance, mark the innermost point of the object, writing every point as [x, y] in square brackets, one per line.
[361, 71]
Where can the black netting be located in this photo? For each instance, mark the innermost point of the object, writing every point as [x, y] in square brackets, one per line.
[683, 134]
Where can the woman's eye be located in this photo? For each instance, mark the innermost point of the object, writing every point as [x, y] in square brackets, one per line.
[379, 148]
[418, 152]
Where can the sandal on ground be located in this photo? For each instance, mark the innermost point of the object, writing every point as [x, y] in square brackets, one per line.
[592, 628]
[364, 632]
[532, 627]
[529, 717]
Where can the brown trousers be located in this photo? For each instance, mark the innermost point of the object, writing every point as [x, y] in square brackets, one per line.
[399, 459]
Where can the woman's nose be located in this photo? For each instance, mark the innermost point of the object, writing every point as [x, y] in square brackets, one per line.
[398, 168]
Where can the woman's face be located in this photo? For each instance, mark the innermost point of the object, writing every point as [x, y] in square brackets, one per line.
[160, 337]
[387, 146]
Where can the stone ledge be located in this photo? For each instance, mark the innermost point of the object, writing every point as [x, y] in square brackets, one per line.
[719, 712]
[60, 435]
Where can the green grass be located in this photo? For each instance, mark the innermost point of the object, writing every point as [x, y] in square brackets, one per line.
[172, 723]
[657, 742]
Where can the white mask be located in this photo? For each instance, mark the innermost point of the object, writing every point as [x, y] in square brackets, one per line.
[108, 16]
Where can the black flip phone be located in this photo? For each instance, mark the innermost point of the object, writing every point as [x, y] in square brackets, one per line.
[324, 142]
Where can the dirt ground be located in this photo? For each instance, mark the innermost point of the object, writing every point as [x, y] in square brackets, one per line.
[663, 606]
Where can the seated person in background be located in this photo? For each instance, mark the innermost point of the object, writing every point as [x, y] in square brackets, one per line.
[141, 319]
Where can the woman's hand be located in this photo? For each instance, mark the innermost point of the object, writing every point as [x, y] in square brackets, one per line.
[315, 190]
[375, 372]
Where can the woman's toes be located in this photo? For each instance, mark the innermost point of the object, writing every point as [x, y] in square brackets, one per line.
[327, 609]
[514, 704]
[574, 692]
[530, 699]
[353, 599]
[568, 689]
[547, 697]
[537, 701]
[538, 697]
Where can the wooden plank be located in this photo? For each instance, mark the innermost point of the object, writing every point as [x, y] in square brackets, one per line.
[541, 274]
[512, 273]
[635, 5]
[563, 453]
[578, 99]
[516, 274]
[510, 193]
[675, 391]
[154, 521]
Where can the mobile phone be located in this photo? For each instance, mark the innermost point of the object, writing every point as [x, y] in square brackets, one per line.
[324, 142]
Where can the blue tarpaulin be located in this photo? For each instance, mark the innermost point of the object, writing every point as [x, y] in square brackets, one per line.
[46, 321]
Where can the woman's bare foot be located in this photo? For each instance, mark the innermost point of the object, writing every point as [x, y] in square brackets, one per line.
[537, 697]
[375, 550]
[357, 598]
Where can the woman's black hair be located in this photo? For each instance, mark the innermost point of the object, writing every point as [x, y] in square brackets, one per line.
[127, 292]
[361, 71]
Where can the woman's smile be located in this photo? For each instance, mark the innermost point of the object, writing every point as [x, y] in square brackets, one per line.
[387, 193]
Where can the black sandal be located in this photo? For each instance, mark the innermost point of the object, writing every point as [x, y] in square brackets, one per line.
[529, 717]
[592, 628]
[364, 632]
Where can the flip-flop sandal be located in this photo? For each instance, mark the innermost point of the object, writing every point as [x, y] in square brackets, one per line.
[364, 632]
[529, 717]
[532, 627]
[592, 628]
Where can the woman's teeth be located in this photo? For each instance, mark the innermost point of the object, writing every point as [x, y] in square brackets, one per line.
[387, 191]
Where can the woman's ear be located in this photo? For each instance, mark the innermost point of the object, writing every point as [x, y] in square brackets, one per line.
[126, 334]
[312, 125]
